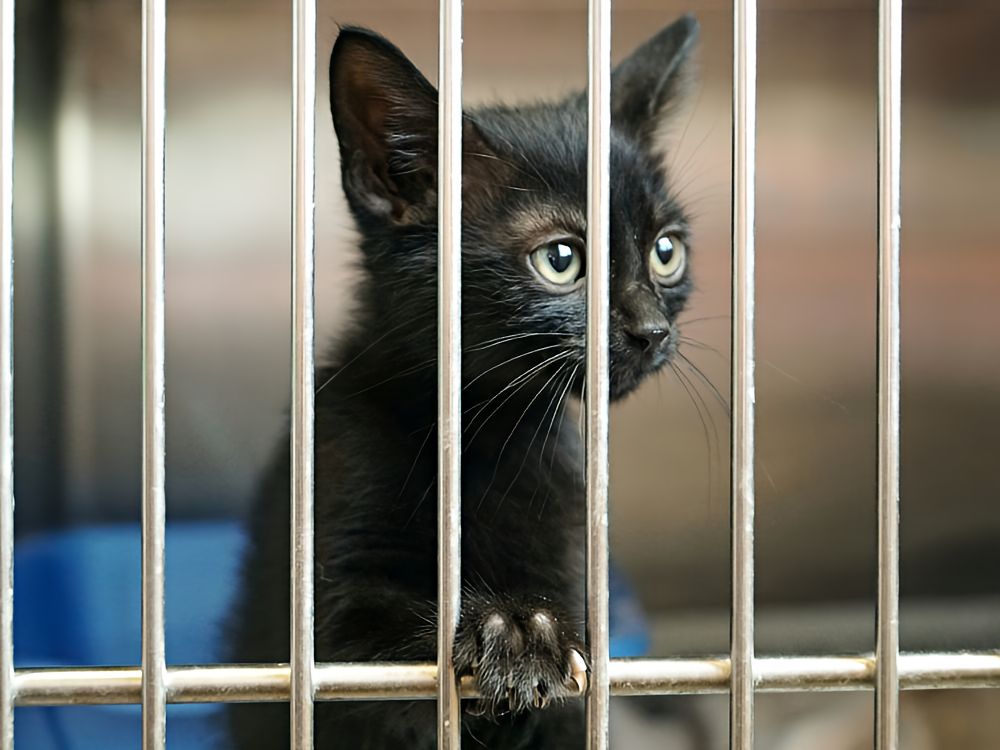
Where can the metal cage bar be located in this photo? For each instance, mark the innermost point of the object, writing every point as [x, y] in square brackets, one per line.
[154, 665]
[303, 363]
[597, 385]
[742, 436]
[374, 681]
[887, 635]
[6, 376]
[449, 368]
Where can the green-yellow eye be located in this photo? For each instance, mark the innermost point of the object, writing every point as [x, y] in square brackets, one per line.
[559, 262]
[668, 259]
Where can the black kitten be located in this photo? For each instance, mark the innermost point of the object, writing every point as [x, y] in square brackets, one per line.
[523, 255]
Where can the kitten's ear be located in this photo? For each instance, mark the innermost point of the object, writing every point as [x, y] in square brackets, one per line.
[385, 115]
[650, 81]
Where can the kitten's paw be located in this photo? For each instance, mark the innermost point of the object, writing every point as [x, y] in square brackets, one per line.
[520, 661]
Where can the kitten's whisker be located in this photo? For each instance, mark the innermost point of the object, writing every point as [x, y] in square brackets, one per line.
[680, 141]
[489, 343]
[690, 157]
[496, 469]
[519, 379]
[553, 405]
[767, 474]
[702, 319]
[524, 380]
[562, 417]
[416, 459]
[534, 169]
[707, 381]
[492, 414]
[561, 410]
[509, 360]
[706, 409]
[420, 502]
[484, 403]
[703, 346]
[396, 376]
[412, 170]
[717, 452]
[818, 394]
[709, 452]
[694, 200]
[363, 352]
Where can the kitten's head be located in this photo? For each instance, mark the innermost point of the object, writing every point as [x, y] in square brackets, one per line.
[524, 215]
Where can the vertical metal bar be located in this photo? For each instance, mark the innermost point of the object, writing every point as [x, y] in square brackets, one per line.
[743, 397]
[597, 388]
[887, 637]
[449, 367]
[303, 363]
[154, 694]
[6, 375]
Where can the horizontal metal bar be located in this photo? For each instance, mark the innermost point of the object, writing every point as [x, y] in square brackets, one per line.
[384, 681]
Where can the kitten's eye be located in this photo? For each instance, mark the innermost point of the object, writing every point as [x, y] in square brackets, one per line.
[559, 262]
[667, 259]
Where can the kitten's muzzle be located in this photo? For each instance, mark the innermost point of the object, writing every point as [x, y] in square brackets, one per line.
[642, 321]
[648, 336]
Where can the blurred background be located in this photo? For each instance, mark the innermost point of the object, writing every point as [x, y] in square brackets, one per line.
[77, 214]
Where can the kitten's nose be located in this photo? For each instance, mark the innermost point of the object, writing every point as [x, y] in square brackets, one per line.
[648, 337]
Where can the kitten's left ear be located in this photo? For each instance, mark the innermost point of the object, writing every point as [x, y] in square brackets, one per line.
[646, 84]
[385, 115]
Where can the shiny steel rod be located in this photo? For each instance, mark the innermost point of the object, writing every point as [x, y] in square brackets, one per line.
[154, 707]
[6, 375]
[379, 681]
[303, 364]
[449, 367]
[742, 513]
[597, 386]
[887, 628]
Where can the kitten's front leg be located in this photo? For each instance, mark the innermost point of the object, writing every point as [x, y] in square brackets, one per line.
[521, 650]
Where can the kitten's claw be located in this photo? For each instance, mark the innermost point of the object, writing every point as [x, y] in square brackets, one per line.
[541, 696]
[577, 672]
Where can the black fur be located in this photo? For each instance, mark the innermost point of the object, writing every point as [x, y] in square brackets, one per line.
[524, 183]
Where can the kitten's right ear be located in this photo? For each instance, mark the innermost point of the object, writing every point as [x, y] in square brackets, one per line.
[385, 115]
[650, 81]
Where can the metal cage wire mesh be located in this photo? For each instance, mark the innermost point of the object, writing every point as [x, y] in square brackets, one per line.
[301, 682]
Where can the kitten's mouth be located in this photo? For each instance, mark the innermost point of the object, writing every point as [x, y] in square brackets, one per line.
[631, 366]
[626, 377]
[638, 363]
